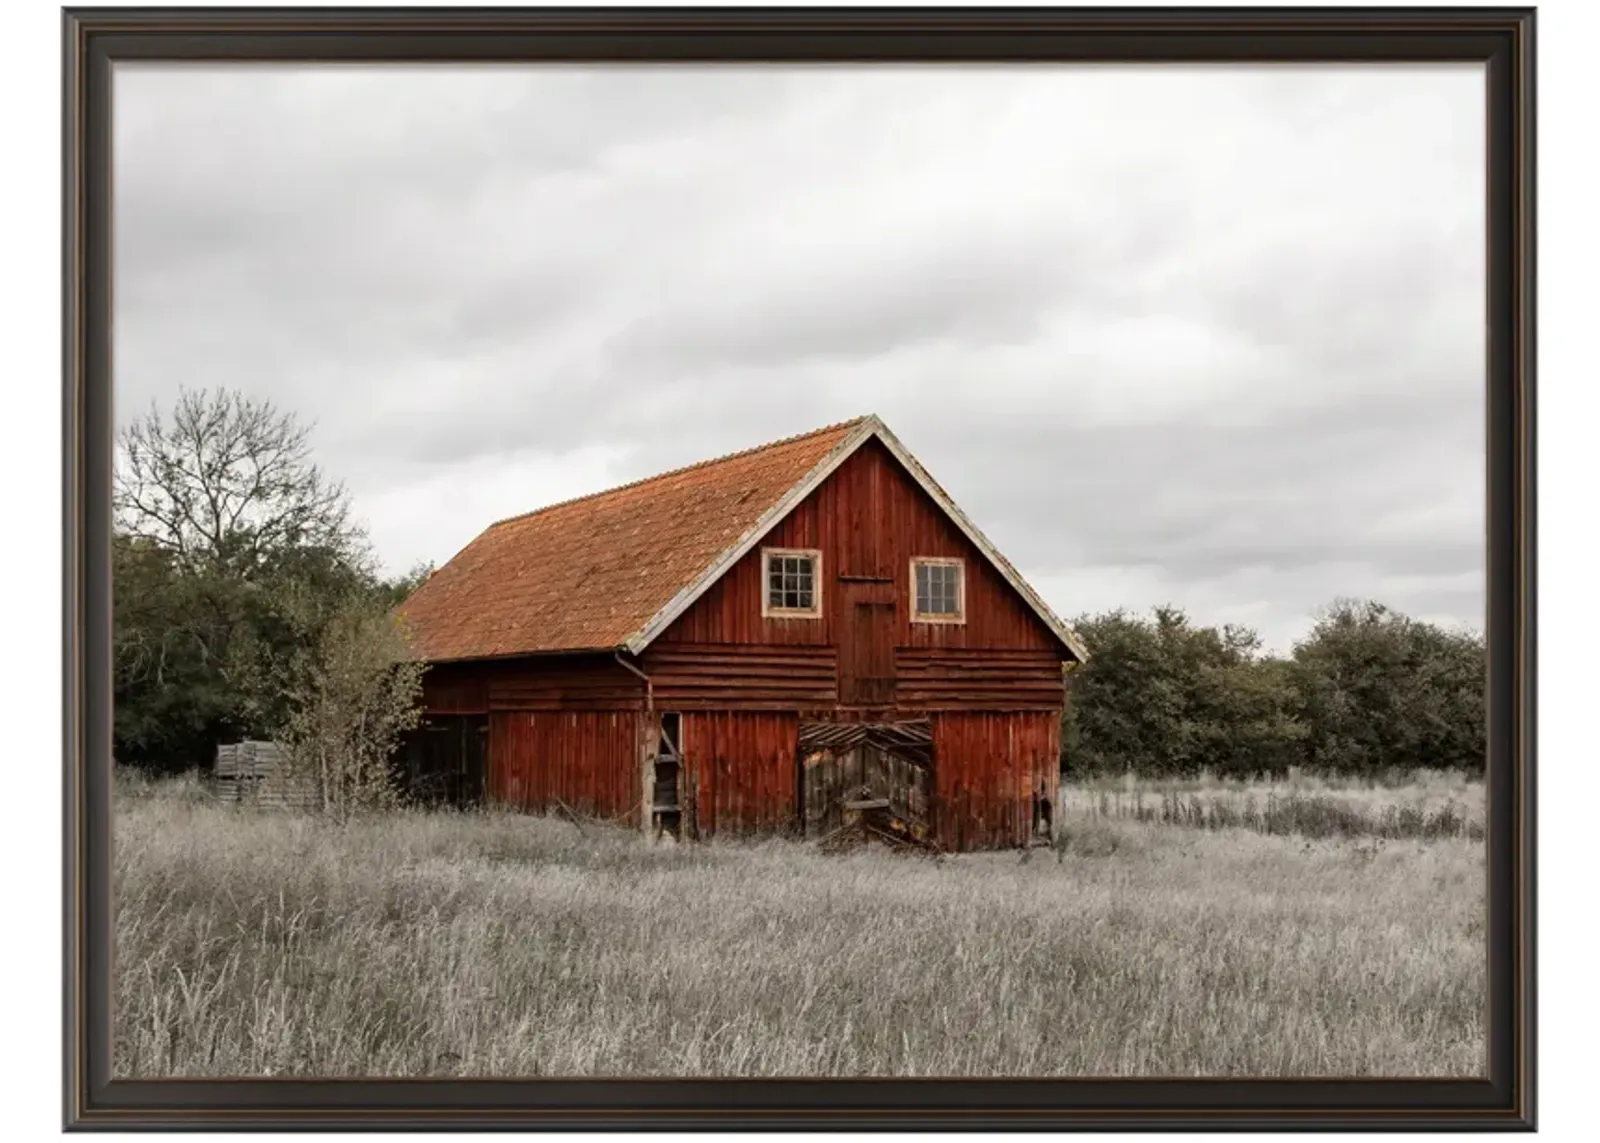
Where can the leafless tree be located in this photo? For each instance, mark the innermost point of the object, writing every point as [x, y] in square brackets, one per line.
[227, 477]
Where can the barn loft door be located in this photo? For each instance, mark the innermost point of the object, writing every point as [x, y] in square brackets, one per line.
[866, 642]
[881, 773]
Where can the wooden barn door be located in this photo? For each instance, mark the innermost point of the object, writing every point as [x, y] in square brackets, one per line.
[880, 773]
[866, 642]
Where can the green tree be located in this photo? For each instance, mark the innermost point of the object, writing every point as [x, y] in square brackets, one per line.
[1160, 695]
[399, 589]
[177, 678]
[224, 526]
[1123, 708]
[1367, 690]
[1379, 690]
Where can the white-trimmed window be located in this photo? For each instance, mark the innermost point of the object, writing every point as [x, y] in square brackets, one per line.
[939, 590]
[791, 581]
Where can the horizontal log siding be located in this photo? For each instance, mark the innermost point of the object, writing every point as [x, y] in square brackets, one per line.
[741, 772]
[952, 678]
[687, 676]
[986, 770]
[868, 519]
[566, 682]
[455, 688]
[587, 761]
[555, 682]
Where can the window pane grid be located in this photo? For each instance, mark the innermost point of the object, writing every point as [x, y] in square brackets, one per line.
[791, 583]
[938, 588]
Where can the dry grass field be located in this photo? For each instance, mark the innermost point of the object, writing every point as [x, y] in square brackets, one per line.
[1412, 805]
[262, 943]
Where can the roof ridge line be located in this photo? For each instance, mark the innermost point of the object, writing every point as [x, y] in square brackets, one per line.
[852, 422]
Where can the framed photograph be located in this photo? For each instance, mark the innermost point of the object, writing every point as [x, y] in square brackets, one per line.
[688, 569]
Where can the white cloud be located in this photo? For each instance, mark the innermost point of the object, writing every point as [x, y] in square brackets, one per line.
[1204, 335]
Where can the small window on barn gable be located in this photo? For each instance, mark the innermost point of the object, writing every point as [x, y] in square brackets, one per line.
[793, 579]
[941, 590]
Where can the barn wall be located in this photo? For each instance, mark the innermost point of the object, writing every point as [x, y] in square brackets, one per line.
[587, 761]
[455, 688]
[987, 769]
[954, 678]
[741, 771]
[569, 728]
[690, 676]
[556, 682]
[732, 676]
[565, 682]
[868, 519]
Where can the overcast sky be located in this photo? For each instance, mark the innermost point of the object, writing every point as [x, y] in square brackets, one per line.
[1206, 336]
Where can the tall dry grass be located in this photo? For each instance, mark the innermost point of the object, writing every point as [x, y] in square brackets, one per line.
[1432, 804]
[258, 943]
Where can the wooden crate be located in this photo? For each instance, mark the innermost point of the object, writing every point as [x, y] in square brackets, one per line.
[252, 773]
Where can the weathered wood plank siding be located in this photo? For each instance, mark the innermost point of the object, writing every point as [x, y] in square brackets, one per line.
[565, 682]
[868, 519]
[958, 678]
[456, 688]
[741, 772]
[987, 770]
[587, 761]
[688, 676]
[572, 728]
[556, 682]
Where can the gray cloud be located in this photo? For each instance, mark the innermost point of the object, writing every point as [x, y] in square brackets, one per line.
[1205, 335]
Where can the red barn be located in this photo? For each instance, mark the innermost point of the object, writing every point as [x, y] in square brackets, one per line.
[773, 641]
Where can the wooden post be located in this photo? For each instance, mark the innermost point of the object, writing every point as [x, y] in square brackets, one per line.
[648, 737]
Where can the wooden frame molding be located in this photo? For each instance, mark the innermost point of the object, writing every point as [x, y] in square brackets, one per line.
[770, 612]
[957, 562]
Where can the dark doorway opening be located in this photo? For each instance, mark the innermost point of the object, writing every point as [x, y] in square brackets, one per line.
[1043, 822]
[666, 804]
[444, 761]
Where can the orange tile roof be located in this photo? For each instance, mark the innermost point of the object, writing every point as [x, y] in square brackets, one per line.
[590, 573]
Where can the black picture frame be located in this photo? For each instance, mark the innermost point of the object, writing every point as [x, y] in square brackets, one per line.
[93, 40]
